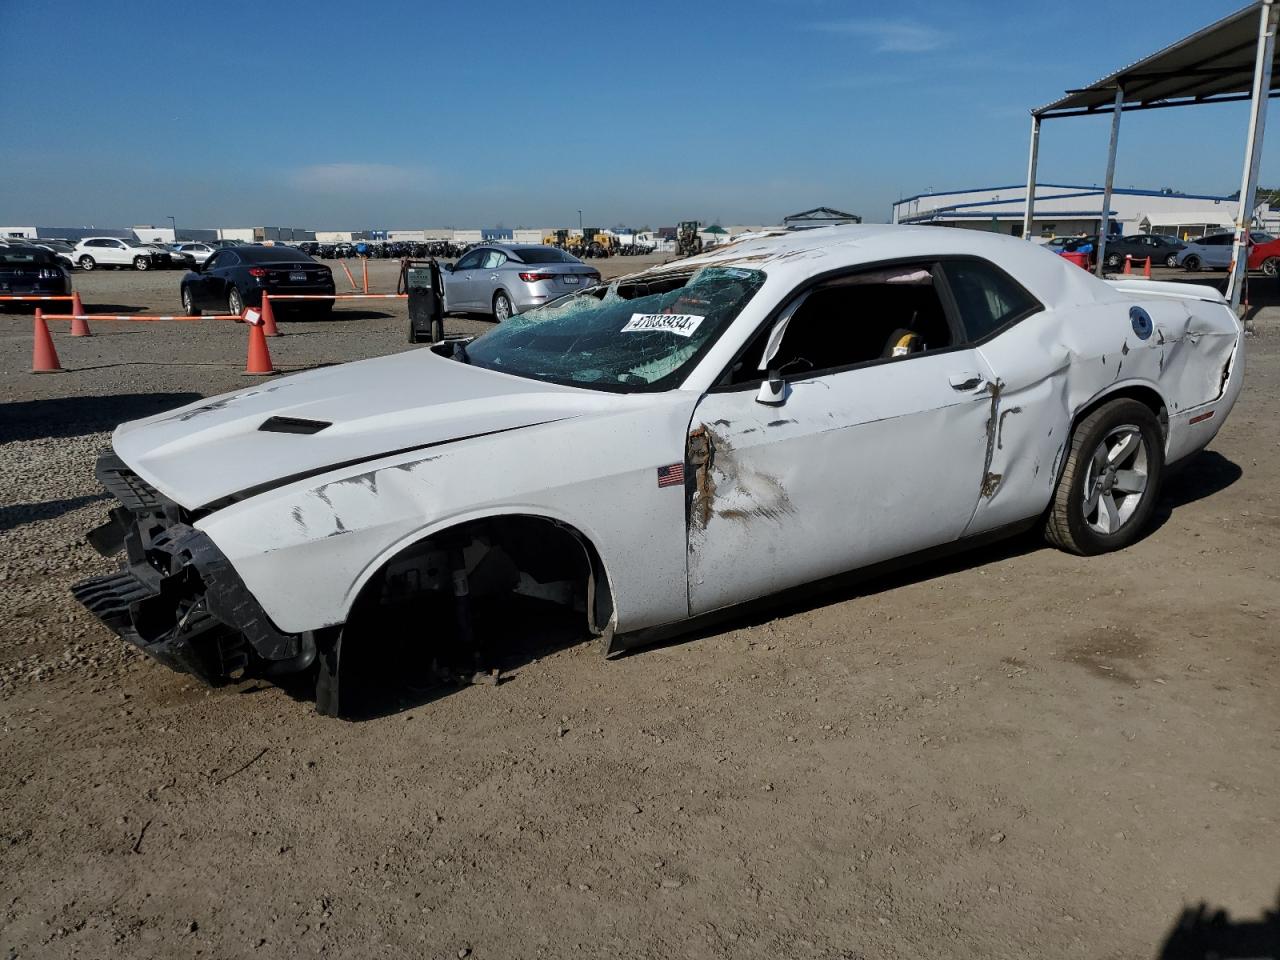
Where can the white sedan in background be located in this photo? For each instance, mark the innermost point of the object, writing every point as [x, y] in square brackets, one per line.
[656, 450]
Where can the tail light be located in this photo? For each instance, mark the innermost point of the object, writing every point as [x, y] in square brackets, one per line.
[535, 277]
[257, 272]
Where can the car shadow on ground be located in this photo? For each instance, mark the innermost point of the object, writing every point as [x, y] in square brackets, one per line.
[23, 513]
[1204, 934]
[339, 315]
[1203, 475]
[78, 416]
[399, 661]
[63, 308]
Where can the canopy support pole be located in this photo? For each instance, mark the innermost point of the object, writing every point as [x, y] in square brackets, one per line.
[1029, 212]
[1104, 224]
[1253, 149]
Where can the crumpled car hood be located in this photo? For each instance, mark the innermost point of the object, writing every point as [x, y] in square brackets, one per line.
[213, 448]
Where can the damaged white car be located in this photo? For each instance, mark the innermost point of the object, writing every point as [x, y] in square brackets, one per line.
[656, 450]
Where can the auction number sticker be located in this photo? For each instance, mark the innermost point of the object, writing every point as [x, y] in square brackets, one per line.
[681, 324]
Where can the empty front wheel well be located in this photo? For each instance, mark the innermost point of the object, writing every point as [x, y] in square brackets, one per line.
[506, 554]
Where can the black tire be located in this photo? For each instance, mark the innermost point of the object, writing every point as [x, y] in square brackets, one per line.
[188, 303]
[1269, 266]
[1191, 264]
[1171, 260]
[1068, 525]
[235, 303]
[502, 307]
[87, 263]
[141, 263]
[1113, 260]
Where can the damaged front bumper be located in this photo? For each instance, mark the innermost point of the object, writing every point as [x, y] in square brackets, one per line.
[176, 597]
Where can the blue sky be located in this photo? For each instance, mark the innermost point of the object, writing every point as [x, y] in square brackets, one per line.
[375, 113]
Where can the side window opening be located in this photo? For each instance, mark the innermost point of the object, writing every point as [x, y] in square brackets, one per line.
[880, 314]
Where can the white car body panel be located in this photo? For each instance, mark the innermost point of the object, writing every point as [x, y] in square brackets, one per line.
[854, 467]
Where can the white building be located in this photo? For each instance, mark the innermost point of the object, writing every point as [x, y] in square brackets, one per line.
[1064, 210]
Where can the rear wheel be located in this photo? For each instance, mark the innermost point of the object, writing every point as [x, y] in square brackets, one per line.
[1192, 263]
[87, 263]
[1113, 260]
[189, 303]
[1269, 266]
[235, 304]
[501, 307]
[141, 263]
[1110, 482]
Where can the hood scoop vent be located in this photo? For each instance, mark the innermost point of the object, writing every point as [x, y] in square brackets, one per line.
[293, 425]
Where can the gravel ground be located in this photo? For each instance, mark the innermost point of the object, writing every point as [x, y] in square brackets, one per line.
[1015, 753]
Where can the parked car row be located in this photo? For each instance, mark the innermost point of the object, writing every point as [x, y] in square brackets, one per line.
[1212, 252]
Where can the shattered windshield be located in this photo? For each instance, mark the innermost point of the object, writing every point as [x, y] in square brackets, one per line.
[635, 333]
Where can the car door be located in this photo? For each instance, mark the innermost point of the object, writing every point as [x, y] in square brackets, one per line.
[1027, 427]
[459, 283]
[875, 451]
[488, 279]
[198, 283]
[1218, 249]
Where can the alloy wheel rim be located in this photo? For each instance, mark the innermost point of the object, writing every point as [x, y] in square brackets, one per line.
[503, 309]
[1115, 480]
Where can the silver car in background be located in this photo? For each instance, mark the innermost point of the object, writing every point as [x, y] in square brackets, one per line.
[502, 280]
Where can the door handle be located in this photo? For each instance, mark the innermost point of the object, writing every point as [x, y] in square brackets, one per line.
[967, 381]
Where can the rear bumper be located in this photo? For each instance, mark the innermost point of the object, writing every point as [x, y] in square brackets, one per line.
[176, 597]
[253, 295]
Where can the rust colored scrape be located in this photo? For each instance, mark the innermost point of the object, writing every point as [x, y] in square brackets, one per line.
[991, 481]
[701, 455]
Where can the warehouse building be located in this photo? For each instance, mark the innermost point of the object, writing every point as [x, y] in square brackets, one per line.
[1064, 210]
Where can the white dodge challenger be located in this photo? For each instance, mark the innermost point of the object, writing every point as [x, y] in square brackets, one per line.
[655, 450]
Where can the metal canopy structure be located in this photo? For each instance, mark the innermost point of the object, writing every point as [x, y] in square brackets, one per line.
[1230, 60]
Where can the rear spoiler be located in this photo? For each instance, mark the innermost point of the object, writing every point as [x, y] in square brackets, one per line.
[1165, 288]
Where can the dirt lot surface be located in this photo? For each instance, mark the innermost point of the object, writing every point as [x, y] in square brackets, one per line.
[1018, 753]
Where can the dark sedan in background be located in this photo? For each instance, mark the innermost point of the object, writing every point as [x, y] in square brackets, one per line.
[234, 278]
[1162, 250]
[502, 280]
[32, 271]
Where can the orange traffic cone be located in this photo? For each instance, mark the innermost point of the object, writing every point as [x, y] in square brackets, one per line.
[44, 359]
[79, 325]
[1146, 269]
[268, 317]
[259, 361]
[1128, 263]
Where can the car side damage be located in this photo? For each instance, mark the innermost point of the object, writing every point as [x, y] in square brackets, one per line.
[179, 600]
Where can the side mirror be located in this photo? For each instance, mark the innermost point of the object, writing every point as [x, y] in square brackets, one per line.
[447, 266]
[773, 390]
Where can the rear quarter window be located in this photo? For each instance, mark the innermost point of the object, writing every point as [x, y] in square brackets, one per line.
[986, 297]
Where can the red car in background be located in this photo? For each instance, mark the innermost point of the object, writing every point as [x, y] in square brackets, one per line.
[1265, 257]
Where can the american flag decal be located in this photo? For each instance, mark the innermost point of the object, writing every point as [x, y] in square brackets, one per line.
[671, 475]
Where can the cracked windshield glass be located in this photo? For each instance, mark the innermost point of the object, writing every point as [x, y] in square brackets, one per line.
[636, 333]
